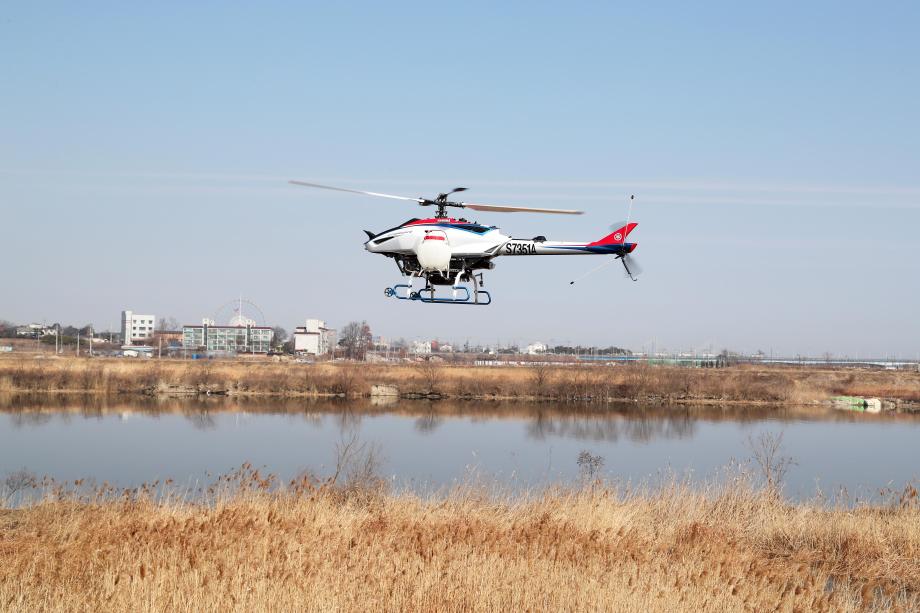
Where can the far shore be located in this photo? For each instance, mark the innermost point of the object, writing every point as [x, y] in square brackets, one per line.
[766, 385]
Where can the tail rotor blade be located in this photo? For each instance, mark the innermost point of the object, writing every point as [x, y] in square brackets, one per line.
[631, 266]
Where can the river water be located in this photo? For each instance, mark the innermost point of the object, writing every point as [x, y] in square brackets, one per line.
[430, 445]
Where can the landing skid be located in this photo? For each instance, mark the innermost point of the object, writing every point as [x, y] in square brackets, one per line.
[459, 295]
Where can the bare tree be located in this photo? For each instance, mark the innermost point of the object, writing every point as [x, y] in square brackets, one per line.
[356, 339]
[279, 336]
[431, 375]
[17, 482]
[765, 450]
[168, 324]
[7, 328]
[539, 373]
[589, 464]
[357, 467]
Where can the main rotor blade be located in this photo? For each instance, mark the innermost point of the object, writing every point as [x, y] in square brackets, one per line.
[517, 209]
[356, 191]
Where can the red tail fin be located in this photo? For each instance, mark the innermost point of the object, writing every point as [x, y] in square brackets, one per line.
[617, 236]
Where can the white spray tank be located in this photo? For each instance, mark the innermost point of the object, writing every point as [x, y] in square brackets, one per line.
[433, 252]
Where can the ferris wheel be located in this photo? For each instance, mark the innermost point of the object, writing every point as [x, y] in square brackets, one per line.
[239, 312]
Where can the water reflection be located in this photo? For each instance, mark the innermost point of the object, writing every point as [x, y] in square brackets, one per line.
[200, 418]
[428, 423]
[587, 422]
[603, 422]
[126, 440]
[634, 424]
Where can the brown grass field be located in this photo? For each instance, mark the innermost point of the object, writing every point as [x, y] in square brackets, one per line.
[578, 382]
[307, 546]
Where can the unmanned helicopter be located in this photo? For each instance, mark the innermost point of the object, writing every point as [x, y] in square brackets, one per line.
[447, 251]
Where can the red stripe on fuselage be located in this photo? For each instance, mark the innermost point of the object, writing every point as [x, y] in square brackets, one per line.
[435, 221]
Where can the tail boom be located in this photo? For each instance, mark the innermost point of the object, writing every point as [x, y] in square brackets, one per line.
[612, 244]
[528, 247]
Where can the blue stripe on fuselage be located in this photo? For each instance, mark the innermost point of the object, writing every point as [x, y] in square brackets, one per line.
[617, 248]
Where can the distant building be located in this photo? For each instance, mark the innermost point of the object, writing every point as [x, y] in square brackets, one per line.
[34, 330]
[423, 347]
[381, 342]
[536, 348]
[313, 338]
[136, 328]
[247, 338]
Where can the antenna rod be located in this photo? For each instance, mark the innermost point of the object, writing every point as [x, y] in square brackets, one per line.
[628, 215]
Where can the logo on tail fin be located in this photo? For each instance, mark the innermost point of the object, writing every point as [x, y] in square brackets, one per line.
[617, 236]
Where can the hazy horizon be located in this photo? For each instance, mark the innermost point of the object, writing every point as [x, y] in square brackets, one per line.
[773, 151]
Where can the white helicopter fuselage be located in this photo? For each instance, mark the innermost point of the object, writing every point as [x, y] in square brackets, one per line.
[466, 240]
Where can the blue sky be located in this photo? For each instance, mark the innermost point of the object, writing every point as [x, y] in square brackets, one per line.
[773, 150]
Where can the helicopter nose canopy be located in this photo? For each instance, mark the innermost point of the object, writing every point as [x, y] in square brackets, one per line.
[433, 251]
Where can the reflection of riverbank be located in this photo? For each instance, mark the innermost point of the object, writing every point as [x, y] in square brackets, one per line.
[612, 427]
[600, 422]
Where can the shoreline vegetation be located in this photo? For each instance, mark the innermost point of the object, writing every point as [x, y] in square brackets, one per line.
[899, 389]
[347, 543]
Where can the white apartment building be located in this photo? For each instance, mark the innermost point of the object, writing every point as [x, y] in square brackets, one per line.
[314, 337]
[536, 348]
[136, 328]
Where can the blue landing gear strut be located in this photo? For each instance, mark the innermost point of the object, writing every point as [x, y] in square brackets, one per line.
[479, 297]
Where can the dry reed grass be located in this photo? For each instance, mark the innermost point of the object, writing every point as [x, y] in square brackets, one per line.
[252, 546]
[566, 383]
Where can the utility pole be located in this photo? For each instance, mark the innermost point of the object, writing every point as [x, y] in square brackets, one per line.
[90, 341]
[78, 343]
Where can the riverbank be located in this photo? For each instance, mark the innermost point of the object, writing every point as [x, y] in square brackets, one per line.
[319, 547]
[632, 382]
